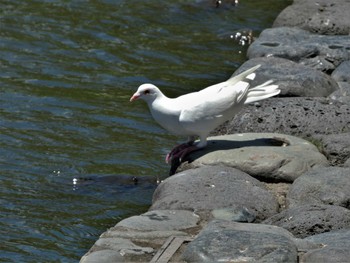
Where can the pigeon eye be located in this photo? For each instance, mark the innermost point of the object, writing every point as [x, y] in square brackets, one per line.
[147, 91]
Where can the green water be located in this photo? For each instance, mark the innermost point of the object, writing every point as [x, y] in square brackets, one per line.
[70, 140]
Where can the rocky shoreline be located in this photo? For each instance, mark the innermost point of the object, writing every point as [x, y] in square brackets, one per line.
[273, 184]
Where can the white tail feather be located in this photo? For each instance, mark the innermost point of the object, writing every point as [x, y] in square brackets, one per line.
[262, 92]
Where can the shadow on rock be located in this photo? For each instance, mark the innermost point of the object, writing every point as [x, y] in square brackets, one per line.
[219, 145]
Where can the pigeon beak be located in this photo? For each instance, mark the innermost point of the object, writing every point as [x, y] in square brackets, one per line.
[134, 97]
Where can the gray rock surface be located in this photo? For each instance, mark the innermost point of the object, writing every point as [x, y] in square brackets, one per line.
[320, 52]
[309, 220]
[336, 247]
[296, 116]
[267, 156]
[225, 241]
[214, 187]
[163, 220]
[324, 185]
[292, 78]
[329, 17]
[336, 147]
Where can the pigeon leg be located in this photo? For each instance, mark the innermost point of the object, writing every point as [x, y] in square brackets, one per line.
[181, 154]
[177, 149]
[182, 150]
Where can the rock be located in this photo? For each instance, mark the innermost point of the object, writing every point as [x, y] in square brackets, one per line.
[102, 256]
[336, 147]
[342, 75]
[336, 248]
[214, 187]
[270, 157]
[292, 78]
[309, 220]
[296, 116]
[342, 72]
[321, 16]
[164, 220]
[324, 185]
[347, 163]
[323, 53]
[341, 95]
[225, 241]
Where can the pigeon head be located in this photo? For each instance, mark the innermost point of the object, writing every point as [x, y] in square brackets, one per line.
[146, 92]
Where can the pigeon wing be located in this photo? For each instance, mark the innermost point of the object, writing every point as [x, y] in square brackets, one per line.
[203, 111]
[206, 113]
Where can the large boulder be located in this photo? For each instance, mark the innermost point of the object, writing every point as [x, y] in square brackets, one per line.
[324, 53]
[342, 72]
[325, 185]
[302, 117]
[308, 220]
[292, 78]
[213, 187]
[330, 17]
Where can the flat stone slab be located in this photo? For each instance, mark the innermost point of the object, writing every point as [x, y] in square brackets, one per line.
[267, 156]
[325, 185]
[215, 187]
[308, 220]
[225, 241]
[163, 220]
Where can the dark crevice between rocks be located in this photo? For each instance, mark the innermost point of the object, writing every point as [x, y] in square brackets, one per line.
[266, 180]
[271, 44]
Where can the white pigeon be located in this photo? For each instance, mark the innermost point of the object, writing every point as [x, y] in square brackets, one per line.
[198, 113]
